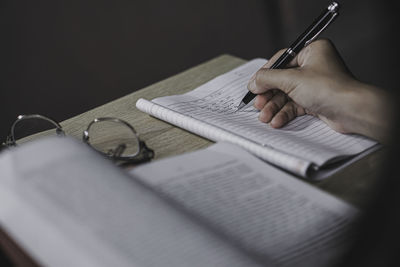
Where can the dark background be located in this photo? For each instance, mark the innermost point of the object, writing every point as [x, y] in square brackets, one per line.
[62, 57]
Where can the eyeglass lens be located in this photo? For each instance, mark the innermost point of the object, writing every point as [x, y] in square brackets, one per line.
[32, 127]
[113, 138]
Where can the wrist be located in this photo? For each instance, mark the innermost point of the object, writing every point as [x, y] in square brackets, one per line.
[367, 110]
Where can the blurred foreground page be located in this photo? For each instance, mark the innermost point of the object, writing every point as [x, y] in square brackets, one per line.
[67, 206]
[270, 214]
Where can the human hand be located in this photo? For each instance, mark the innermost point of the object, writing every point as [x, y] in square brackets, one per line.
[318, 82]
[313, 83]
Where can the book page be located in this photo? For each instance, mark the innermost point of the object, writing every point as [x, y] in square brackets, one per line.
[275, 217]
[68, 206]
[305, 137]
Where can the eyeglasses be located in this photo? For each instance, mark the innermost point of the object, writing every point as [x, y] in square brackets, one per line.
[112, 137]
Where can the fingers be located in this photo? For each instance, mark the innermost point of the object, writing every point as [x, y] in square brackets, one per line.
[276, 109]
[275, 57]
[272, 60]
[263, 99]
[272, 106]
[289, 111]
[267, 79]
[314, 51]
[322, 55]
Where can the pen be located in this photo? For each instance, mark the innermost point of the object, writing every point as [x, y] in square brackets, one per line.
[312, 32]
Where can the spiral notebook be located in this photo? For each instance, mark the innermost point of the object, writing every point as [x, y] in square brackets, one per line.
[306, 146]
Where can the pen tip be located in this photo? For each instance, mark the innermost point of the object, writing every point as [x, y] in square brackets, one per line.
[241, 105]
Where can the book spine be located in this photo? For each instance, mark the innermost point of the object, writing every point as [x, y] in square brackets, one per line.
[211, 132]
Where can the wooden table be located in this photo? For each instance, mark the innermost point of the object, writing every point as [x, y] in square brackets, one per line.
[351, 184]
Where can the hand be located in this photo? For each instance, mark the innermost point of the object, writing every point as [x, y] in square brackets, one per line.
[318, 82]
[315, 67]
[275, 106]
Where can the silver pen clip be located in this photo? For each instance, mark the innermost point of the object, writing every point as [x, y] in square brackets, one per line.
[322, 29]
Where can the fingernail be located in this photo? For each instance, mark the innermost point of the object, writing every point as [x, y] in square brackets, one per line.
[265, 116]
[274, 122]
[261, 117]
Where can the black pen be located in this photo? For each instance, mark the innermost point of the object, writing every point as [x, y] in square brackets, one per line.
[312, 32]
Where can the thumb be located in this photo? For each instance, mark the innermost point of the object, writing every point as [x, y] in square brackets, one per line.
[267, 79]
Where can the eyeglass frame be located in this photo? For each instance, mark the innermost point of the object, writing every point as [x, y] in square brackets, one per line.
[144, 151]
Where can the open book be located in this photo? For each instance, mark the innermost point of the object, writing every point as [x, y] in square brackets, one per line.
[65, 205]
[304, 146]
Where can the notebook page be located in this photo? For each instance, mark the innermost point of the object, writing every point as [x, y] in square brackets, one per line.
[305, 137]
[265, 211]
[286, 161]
